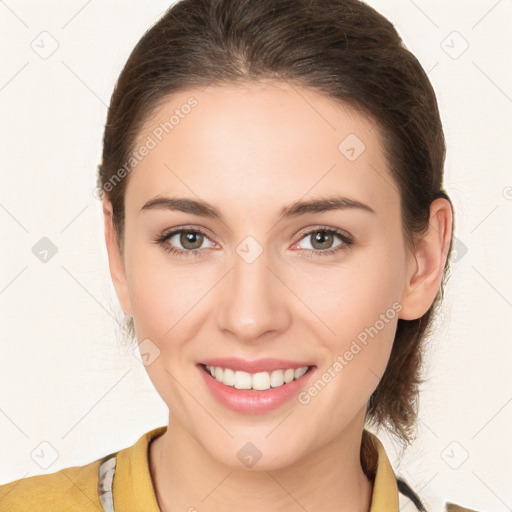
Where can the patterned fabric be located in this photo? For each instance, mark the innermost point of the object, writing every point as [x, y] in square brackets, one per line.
[105, 478]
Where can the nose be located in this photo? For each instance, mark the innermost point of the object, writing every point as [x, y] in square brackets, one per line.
[254, 302]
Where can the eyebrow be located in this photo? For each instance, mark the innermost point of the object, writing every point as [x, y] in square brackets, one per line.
[296, 209]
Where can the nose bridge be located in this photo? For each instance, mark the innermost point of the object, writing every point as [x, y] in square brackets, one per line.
[254, 303]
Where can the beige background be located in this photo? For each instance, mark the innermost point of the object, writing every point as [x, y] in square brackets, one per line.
[65, 378]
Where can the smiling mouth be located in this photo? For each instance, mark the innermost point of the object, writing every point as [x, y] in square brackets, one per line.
[259, 381]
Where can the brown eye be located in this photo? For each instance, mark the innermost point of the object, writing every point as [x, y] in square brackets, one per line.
[321, 240]
[191, 240]
[184, 242]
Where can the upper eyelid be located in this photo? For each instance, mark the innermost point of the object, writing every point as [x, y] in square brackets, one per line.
[337, 231]
[301, 234]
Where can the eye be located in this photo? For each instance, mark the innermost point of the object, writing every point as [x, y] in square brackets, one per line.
[190, 239]
[322, 241]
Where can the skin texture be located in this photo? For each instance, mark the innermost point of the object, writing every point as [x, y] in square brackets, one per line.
[249, 151]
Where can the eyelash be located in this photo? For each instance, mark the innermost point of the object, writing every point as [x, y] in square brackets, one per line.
[162, 240]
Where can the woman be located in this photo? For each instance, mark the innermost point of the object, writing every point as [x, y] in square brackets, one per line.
[278, 236]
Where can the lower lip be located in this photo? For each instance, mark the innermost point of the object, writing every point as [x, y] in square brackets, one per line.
[252, 401]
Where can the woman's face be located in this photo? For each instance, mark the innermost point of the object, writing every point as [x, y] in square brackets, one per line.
[264, 280]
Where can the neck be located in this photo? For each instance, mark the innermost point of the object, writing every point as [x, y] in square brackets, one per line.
[185, 477]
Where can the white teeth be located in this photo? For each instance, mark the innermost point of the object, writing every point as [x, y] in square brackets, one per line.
[260, 381]
[229, 377]
[242, 380]
[289, 375]
[299, 372]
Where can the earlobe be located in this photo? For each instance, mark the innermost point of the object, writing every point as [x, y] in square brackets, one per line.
[115, 260]
[425, 271]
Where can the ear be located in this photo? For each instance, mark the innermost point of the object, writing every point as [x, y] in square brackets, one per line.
[115, 259]
[426, 263]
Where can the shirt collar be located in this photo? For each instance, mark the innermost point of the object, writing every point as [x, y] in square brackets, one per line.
[133, 488]
[385, 489]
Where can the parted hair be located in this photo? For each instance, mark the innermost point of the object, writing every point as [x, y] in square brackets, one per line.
[343, 49]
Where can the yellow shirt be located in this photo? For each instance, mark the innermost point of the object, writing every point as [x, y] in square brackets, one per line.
[127, 476]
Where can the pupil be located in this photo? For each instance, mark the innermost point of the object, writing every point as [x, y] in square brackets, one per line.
[190, 238]
[321, 235]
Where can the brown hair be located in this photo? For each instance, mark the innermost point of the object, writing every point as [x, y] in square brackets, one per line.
[343, 49]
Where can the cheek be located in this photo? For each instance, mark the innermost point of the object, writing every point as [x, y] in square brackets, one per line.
[355, 354]
[352, 296]
[358, 306]
[161, 298]
[165, 310]
[159, 291]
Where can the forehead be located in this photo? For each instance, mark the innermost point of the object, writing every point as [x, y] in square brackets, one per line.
[265, 143]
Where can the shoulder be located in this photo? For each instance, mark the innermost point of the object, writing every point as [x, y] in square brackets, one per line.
[86, 488]
[70, 489]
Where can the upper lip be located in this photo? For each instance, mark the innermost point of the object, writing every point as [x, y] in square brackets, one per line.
[260, 365]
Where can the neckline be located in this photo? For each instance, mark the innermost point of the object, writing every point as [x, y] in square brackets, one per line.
[133, 485]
